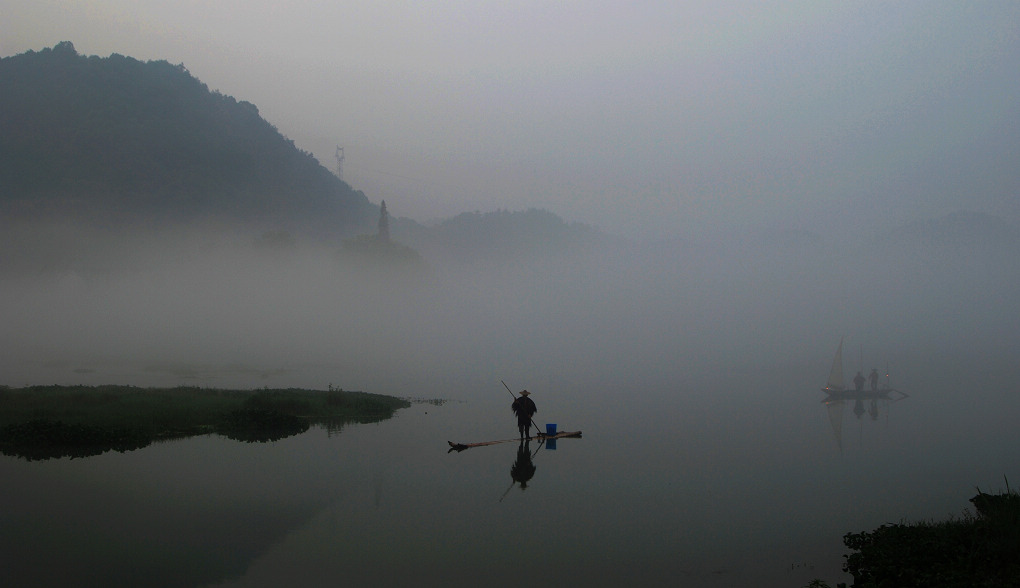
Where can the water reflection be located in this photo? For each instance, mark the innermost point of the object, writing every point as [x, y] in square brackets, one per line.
[177, 515]
[865, 402]
[523, 468]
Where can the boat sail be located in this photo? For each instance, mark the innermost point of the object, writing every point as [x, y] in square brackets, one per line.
[835, 383]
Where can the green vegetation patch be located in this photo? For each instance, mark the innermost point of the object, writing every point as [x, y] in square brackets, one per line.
[45, 422]
[975, 550]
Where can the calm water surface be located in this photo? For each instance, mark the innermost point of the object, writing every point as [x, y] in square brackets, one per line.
[735, 483]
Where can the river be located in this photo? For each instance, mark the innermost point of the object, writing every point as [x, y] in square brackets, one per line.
[745, 483]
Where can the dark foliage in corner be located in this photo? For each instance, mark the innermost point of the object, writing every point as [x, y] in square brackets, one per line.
[972, 551]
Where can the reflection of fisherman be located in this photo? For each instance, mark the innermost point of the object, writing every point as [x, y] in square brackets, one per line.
[859, 382]
[523, 469]
[873, 378]
[524, 408]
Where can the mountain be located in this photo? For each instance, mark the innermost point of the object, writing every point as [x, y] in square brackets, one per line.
[116, 138]
[115, 142]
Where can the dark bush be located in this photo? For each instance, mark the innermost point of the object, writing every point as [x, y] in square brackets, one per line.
[972, 551]
[47, 439]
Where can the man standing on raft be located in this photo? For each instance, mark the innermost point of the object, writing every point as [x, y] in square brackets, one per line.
[524, 408]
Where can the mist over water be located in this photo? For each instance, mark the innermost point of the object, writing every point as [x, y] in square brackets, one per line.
[785, 180]
[222, 309]
[693, 369]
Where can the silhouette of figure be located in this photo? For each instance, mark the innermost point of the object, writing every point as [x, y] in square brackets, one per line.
[873, 378]
[523, 469]
[859, 382]
[524, 408]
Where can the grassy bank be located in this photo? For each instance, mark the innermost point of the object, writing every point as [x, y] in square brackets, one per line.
[978, 549]
[43, 422]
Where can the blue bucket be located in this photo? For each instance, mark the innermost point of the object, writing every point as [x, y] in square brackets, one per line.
[550, 428]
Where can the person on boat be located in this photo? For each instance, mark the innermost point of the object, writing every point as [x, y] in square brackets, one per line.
[873, 378]
[859, 382]
[524, 408]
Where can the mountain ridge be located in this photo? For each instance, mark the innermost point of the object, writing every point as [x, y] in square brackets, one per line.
[116, 137]
[142, 144]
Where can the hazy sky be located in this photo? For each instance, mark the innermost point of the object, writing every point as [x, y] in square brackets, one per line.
[644, 118]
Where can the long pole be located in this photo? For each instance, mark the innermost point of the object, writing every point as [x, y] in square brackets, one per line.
[538, 431]
[508, 389]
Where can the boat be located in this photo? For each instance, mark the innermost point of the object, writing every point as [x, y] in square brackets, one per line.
[539, 437]
[838, 397]
[835, 390]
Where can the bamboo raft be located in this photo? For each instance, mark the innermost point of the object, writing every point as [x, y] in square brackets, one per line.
[538, 437]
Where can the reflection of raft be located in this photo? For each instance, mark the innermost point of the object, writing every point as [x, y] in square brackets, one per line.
[539, 437]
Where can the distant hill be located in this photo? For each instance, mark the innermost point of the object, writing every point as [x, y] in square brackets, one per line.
[99, 142]
[118, 138]
[504, 235]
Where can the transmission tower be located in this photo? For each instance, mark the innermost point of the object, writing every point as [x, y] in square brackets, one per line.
[340, 162]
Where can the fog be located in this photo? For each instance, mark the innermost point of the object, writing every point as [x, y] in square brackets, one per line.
[220, 309]
[661, 119]
[761, 181]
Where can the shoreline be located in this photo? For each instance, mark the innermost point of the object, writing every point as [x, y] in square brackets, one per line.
[50, 422]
